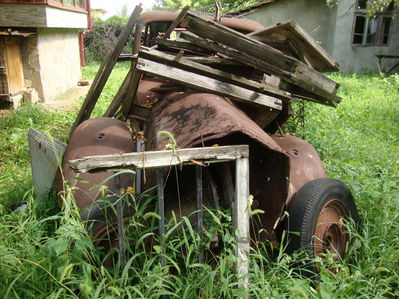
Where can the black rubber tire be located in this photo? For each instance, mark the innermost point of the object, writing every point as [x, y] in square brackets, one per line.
[305, 208]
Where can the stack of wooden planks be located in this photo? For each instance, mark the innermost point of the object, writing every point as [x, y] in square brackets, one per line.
[204, 55]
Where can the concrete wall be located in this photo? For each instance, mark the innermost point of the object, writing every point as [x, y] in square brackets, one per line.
[358, 58]
[313, 15]
[59, 61]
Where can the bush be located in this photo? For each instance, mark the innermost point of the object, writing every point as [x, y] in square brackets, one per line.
[104, 36]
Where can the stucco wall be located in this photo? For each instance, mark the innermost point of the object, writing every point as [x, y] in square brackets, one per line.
[357, 57]
[313, 15]
[59, 60]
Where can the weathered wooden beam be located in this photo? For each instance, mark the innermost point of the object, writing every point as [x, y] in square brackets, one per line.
[287, 67]
[213, 73]
[181, 45]
[155, 159]
[301, 41]
[204, 83]
[104, 71]
[320, 96]
[241, 216]
[238, 41]
[213, 60]
[242, 57]
[131, 92]
[176, 22]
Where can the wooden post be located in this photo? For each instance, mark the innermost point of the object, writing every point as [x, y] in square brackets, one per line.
[241, 219]
[161, 213]
[200, 210]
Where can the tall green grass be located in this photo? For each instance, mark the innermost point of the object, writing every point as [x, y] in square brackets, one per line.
[48, 253]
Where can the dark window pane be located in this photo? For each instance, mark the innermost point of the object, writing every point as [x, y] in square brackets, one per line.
[362, 4]
[385, 26]
[359, 24]
[357, 39]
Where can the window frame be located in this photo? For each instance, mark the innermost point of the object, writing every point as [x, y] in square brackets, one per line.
[379, 35]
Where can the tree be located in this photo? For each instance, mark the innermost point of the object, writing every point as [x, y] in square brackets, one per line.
[376, 6]
[206, 6]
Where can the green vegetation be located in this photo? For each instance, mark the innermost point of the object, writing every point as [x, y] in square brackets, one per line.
[206, 6]
[47, 253]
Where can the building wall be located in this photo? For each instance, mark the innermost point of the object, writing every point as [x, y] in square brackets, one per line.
[25, 15]
[313, 15]
[31, 64]
[332, 27]
[358, 58]
[59, 61]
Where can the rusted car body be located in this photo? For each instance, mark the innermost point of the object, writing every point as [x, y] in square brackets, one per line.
[280, 165]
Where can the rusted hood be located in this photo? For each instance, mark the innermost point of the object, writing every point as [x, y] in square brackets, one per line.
[194, 118]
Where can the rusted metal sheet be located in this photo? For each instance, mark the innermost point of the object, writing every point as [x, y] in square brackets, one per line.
[98, 136]
[305, 162]
[194, 118]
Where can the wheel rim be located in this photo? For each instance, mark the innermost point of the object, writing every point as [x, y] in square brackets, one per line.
[330, 234]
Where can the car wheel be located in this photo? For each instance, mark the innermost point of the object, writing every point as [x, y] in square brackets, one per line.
[317, 219]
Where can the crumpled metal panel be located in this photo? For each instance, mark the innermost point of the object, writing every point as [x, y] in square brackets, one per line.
[99, 136]
[194, 118]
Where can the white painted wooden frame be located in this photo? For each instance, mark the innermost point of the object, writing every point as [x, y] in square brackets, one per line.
[159, 159]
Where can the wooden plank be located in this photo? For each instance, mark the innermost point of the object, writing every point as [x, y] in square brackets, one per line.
[176, 22]
[241, 216]
[316, 95]
[204, 83]
[119, 97]
[301, 41]
[13, 61]
[155, 159]
[198, 68]
[181, 45]
[242, 57]
[213, 60]
[281, 64]
[104, 71]
[131, 92]
[238, 41]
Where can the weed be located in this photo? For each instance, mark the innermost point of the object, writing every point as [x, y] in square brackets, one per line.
[48, 253]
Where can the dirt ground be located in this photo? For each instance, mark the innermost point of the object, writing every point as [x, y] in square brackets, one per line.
[65, 102]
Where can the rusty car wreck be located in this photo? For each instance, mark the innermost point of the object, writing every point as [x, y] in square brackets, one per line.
[214, 83]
